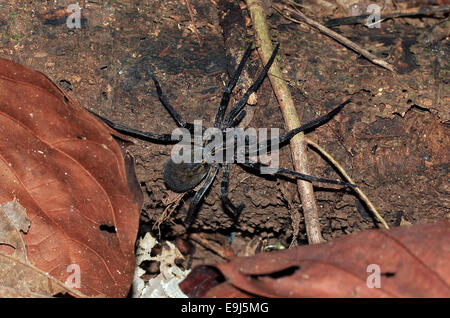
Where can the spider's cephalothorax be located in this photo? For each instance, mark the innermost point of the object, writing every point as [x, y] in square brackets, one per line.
[185, 176]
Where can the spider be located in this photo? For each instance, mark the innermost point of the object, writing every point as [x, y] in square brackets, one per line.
[185, 176]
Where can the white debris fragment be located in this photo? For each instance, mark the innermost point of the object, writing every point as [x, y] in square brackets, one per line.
[165, 285]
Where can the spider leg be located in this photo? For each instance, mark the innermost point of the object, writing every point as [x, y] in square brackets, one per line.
[199, 195]
[243, 101]
[297, 175]
[134, 132]
[145, 134]
[238, 119]
[313, 123]
[290, 134]
[224, 192]
[180, 122]
[228, 90]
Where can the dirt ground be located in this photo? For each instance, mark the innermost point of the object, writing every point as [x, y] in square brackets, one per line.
[393, 139]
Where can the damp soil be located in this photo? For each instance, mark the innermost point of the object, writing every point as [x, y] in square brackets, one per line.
[393, 139]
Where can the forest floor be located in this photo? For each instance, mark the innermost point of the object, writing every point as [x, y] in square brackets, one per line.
[393, 139]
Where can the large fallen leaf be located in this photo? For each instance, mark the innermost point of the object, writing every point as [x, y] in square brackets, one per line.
[412, 262]
[74, 179]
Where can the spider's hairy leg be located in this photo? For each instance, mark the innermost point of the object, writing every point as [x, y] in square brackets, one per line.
[199, 195]
[134, 132]
[145, 134]
[238, 119]
[224, 192]
[163, 98]
[243, 101]
[314, 123]
[290, 134]
[290, 173]
[228, 90]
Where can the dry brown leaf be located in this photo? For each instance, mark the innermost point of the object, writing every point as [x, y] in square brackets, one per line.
[6, 292]
[74, 179]
[13, 219]
[21, 278]
[18, 277]
[413, 261]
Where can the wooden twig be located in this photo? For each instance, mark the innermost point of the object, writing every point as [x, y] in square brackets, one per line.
[411, 12]
[295, 15]
[171, 204]
[349, 180]
[298, 147]
[194, 27]
[221, 249]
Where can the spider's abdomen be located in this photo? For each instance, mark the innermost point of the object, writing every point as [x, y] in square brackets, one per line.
[181, 177]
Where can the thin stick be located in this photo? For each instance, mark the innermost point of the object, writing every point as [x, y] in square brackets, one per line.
[298, 17]
[298, 147]
[411, 12]
[215, 247]
[349, 180]
[194, 27]
[171, 204]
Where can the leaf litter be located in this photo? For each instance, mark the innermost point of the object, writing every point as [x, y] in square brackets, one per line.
[18, 276]
[165, 284]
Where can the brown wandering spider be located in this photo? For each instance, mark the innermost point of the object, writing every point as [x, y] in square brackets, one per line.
[185, 176]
